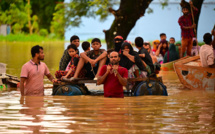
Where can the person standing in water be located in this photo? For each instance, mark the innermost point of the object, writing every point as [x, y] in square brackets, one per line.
[33, 72]
[113, 76]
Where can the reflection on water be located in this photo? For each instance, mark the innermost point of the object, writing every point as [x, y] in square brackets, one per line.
[183, 111]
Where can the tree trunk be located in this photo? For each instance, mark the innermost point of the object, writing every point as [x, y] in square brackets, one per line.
[125, 19]
[197, 4]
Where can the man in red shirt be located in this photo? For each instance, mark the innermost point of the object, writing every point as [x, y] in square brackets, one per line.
[113, 76]
[187, 27]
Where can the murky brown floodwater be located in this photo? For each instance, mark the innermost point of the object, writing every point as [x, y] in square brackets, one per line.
[183, 111]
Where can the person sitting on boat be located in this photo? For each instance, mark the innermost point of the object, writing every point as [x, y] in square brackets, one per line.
[65, 59]
[113, 76]
[147, 46]
[131, 61]
[118, 40]
[162, 49]
[71, 67]
[33, 72]
[155, 45]
[144, 55]
[206, 52]
[163, 36]
[195, 48]
[178, 47]
[213, 42]
[85, 46]
[157, 65]
[92, 61]
[171, 54]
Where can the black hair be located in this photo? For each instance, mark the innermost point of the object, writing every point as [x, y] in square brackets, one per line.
[110, 50]
[139, 41]
[96, 40]
[207, 38]
[162, 34]
[172, 38]
[85, 45]
[185, 7]
[74, 37]
[73, 46]
[146, 44]
[35, 49]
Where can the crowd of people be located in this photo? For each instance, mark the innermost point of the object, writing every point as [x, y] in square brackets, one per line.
[114, 66]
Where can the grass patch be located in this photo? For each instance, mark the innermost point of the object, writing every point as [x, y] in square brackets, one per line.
[27, 37]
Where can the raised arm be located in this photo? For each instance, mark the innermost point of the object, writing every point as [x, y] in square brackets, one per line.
[123, 81]
[158, 50]
[130, 57]
[85, 57]
[103, 55]
[102, 78]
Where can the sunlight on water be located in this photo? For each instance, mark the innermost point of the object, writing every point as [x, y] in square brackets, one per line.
[183, 111]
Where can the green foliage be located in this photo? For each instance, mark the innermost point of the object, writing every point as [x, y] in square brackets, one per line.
[43, 32]
[58, 22]
[44, 10]
[15, 16]
[149, 10]
[17, 28]
[164, 3]
[86, 8]
[35, 24]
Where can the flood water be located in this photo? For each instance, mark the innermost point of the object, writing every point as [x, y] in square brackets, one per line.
[183, 111]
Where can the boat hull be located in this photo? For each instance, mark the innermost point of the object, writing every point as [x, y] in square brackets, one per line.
[193, 76]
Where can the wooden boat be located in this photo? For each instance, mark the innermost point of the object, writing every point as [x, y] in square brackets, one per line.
[6, 79]
[169, 66]
[193, 76]
[142, 86]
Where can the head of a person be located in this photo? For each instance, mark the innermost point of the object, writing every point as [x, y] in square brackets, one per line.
[75, 40]
[195, 42]
[114, 58]
[139, 42]
[126, 46]
[172, 40]
[178, 43]
[163, 36]
[147, 46]
[185, 10]
[155, 44]
[118, 40]
[164, 44]
[109, 51]
[96, 44]
[85, 46]
[37, 52]
[72, 50]
[207, 38]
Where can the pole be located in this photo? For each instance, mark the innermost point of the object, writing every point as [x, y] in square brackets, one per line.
[191, 9]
